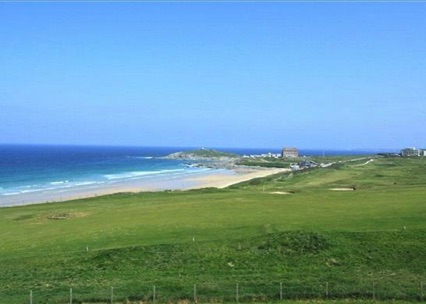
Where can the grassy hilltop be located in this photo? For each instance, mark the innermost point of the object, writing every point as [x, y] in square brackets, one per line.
[286, 236]
[202, 153]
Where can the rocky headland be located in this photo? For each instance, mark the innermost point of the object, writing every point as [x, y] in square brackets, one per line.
[207, 158]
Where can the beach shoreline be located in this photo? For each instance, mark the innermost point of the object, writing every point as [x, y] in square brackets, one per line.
[210, 179]
[241, 174]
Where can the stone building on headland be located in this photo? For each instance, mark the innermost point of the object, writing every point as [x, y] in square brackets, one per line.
[290, 152]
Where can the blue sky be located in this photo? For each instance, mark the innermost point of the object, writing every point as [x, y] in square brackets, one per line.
[312, 75]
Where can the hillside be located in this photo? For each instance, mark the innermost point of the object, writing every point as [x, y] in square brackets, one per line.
[298, 235]
[202, 153]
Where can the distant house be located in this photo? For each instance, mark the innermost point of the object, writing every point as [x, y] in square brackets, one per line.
[410, 152]
[290, 152]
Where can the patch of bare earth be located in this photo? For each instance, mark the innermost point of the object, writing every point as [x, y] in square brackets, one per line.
[66, 215]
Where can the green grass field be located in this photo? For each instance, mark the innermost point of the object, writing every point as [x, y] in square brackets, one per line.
[310, 244]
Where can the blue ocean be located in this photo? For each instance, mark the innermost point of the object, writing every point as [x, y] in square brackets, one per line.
[32, 168]
[26, 169]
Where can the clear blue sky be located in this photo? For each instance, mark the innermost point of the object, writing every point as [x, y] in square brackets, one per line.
[312, 75]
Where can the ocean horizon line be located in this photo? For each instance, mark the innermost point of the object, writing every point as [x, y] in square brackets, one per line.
[225, 148]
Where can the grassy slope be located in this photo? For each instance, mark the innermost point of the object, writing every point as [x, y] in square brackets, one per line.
[216, 238]
[209, 153]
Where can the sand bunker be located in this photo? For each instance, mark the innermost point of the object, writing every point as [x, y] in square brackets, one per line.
[279, 192]
[343, 189]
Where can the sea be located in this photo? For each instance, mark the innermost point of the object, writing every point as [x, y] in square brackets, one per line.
[34, 169]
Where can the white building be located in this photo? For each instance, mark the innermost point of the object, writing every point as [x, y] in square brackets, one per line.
[290, 152]
[410, 152]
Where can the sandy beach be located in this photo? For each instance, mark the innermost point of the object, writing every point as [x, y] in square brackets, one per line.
[240, 174]
[210, 179]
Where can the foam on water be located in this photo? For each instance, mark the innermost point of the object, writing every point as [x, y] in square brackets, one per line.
[137, 174]
[52, 186]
